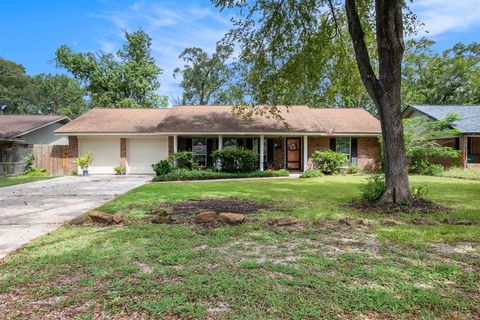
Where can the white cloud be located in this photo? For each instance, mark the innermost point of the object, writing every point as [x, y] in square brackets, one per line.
[442, 16]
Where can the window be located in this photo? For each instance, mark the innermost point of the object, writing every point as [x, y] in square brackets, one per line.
[230, 142]
[199, 150]
[343, 146]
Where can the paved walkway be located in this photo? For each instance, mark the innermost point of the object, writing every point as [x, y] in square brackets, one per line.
[33, 209]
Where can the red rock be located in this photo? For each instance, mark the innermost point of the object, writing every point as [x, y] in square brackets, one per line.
[229, 217]
[118, 218]
[101, 217]
[286, 221]
[205, 217]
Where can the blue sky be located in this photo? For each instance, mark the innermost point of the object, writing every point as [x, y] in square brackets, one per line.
[32, 30]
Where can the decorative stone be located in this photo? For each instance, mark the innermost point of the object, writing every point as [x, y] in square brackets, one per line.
[345, 222]
[285, 221]
[459, 222]
[101, 217]
[205, 217]
[162, 218]
[232, 218]
[118, 218]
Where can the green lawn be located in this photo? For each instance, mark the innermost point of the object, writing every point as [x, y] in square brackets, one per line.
[9, 181]
[319, 269]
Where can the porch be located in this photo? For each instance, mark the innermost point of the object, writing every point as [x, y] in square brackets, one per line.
[470, 151]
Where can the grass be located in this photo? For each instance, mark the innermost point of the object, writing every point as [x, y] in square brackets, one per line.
[324, 269]
[9, 181]
[472, 174]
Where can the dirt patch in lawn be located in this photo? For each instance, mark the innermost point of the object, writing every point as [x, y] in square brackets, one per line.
[418, 206]
[184, 212]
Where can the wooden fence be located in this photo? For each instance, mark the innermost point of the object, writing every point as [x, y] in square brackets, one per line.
[53, 158]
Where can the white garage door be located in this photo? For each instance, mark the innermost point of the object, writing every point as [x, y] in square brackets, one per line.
[105, 152]
[143, 152]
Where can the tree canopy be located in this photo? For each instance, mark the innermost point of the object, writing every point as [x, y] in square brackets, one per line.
[127, 79]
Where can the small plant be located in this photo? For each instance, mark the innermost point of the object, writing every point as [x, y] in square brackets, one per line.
[373, 188]
[426, 168]
[163, 167]
[29, 161]
[120, 170]
[84, 162]
[36, 172]
[233, 159]
[352, 169]
[312, 174]
[329, 162]
[419, 191]
[184, 160]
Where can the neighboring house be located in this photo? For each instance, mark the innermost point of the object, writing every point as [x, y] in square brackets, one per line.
[20, 133]
[468, 142]
[137, 138]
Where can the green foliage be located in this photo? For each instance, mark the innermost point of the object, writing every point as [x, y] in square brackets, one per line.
[36, 172]
[352, 169]
[419, 191]
[311, 174]
[128, 79]
[426, 168]
[84, 161]
[120, 169]
[29, 161]
[329, 162]
[420, 144]
[14, 87]
[184, 160]
[206, 79]
[163, 167]
[450, 77]
[233, 159]
[373, 188]
[185, 174]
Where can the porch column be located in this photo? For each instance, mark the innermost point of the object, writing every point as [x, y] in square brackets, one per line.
[463, 150]
[175, 144]
[305, 153]
[220, 142]
[262, 151]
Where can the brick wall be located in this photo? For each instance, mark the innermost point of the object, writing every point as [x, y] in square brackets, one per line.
[316, 144]
[368, 150]
[123, 152]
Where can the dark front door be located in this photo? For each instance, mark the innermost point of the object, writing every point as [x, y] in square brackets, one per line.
[293, 154]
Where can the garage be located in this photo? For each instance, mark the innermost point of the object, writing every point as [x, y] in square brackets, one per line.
[105, 152]
[143, 152]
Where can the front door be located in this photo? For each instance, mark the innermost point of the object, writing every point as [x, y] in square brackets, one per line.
[293, 154]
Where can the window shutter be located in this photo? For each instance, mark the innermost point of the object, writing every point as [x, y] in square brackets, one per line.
[333, 144]
[457, 143]
[353, 150]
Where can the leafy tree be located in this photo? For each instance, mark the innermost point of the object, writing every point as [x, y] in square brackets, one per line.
[421, 144]
[14, 87]
[206, 79]
[127, 79]
[277, 37]
[450, 77]
[57, 94]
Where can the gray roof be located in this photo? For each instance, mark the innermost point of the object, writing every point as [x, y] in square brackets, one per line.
[13, 126]
[470, 115]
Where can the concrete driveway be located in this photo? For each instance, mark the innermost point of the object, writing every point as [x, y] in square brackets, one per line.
[33, 209]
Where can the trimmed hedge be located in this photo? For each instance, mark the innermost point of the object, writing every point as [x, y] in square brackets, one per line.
[184, 175]
[235, 160]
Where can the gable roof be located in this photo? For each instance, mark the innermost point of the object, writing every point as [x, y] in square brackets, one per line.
[14, 126]
[219, 119]
[470, 115]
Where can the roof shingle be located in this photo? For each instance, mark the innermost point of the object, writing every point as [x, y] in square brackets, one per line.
[12, 126]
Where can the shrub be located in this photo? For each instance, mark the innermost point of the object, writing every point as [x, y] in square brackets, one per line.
[426, 168]
[36, 172]
[29, 161]
[373, 188]
[233, 159]
[329, 162]
[120, 169]
[352, 169]
[84, 161]
[184, 174]
[184, 160]
[419, 191]
[163, 167]
[311, 174]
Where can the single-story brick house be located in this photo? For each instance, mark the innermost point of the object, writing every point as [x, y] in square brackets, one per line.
[136, 138]
[20, 133]
[468, 141]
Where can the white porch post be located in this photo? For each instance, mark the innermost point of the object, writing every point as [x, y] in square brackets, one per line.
[262, 151]
[175, 144]
[220, 142]
[305, 153]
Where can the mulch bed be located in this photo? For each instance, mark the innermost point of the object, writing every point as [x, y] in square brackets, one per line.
[418, 206]
[185, 211]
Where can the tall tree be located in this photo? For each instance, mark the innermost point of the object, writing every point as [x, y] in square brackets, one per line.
[57, 94]
[127, 79]
[272, 33]
[450, 77]
[207, 79]
[14, 87]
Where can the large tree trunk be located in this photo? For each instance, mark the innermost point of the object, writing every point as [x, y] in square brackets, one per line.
[385, 90]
